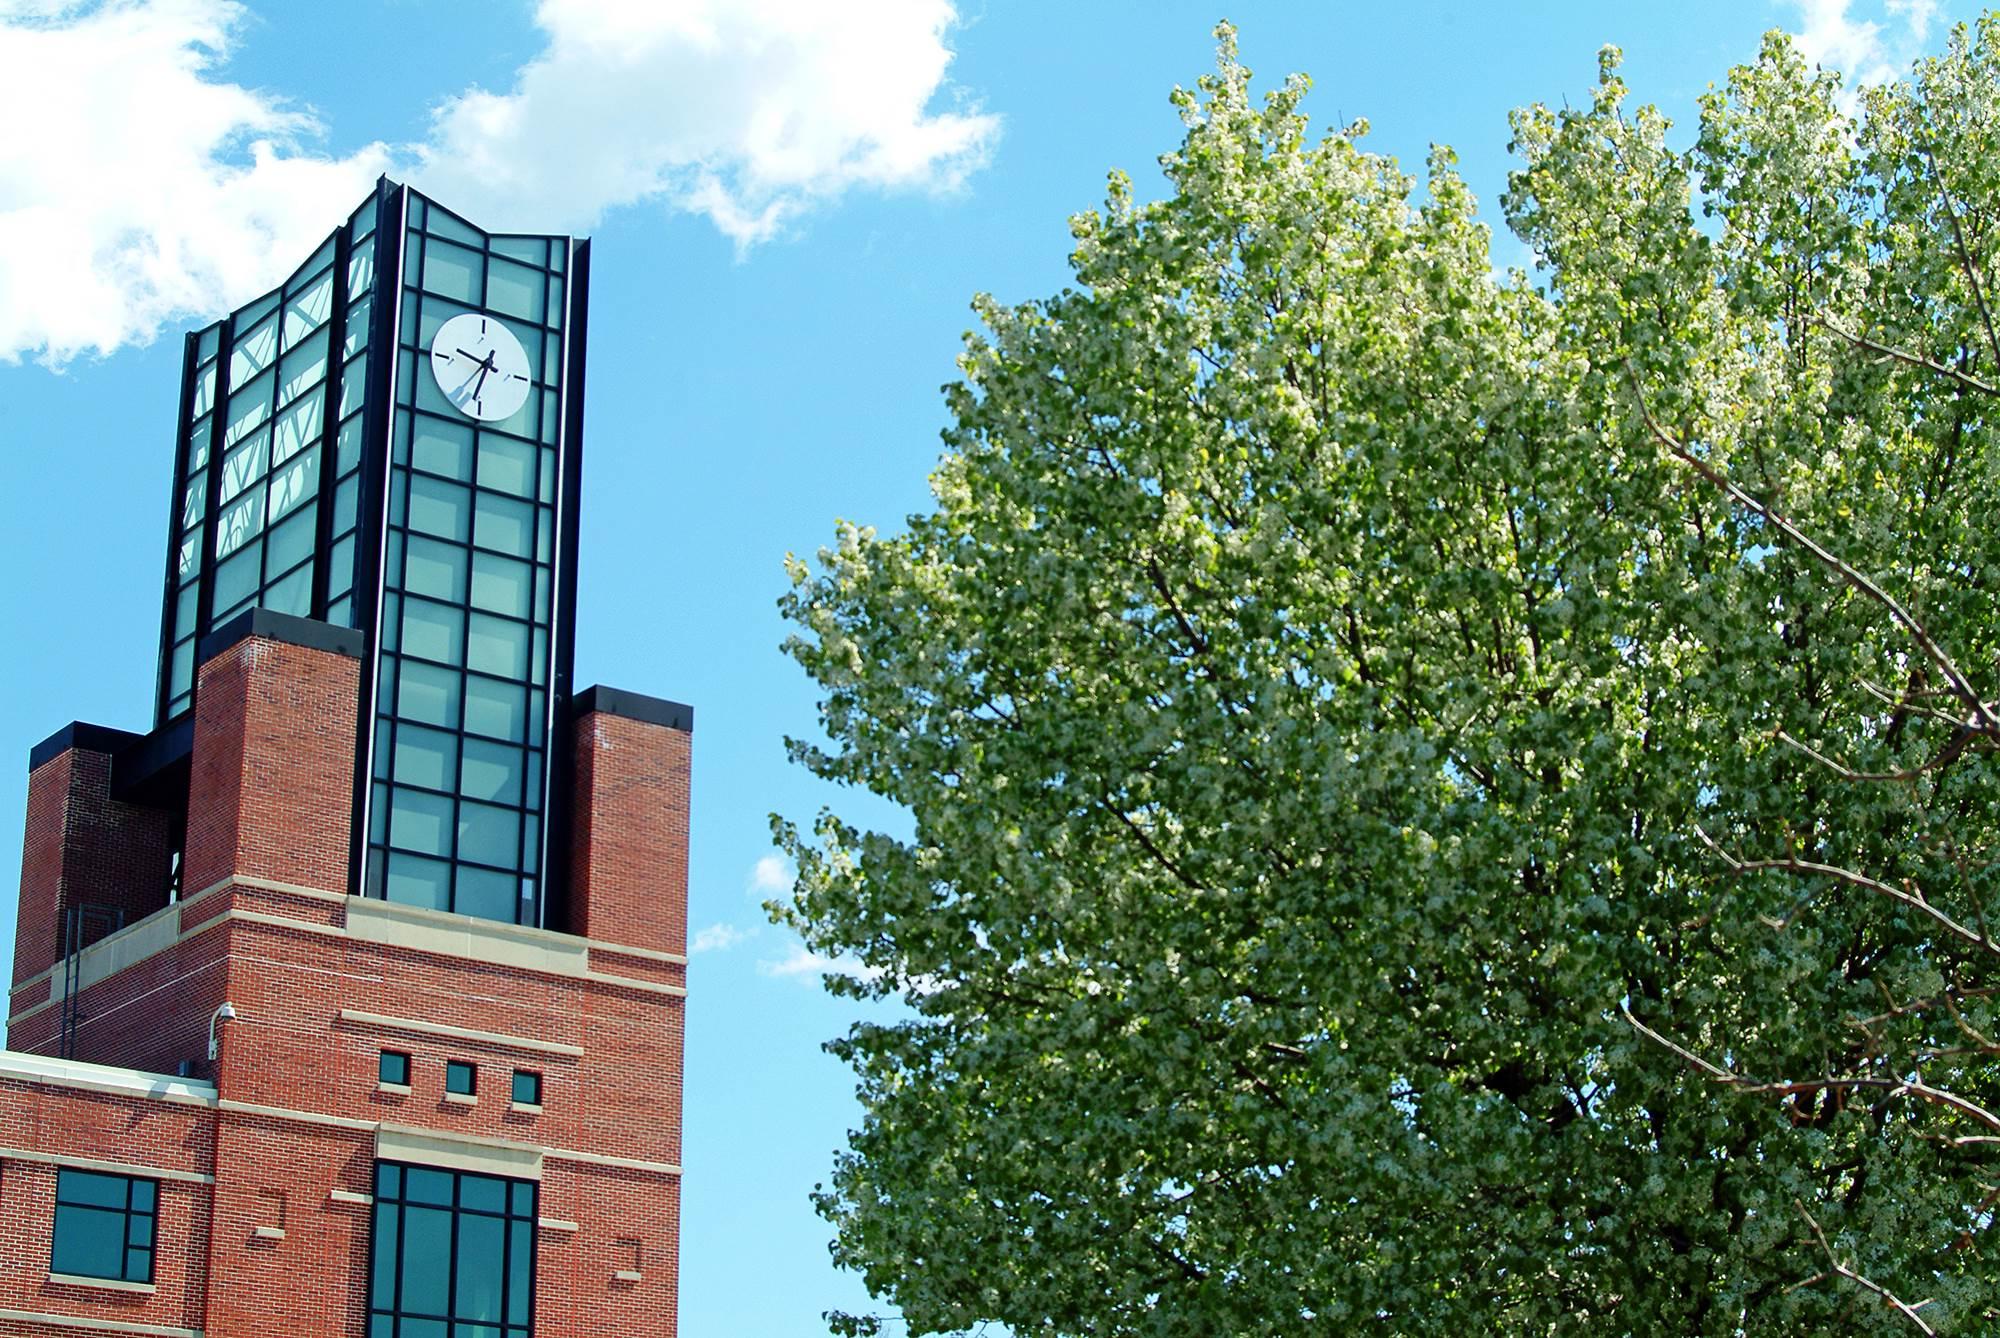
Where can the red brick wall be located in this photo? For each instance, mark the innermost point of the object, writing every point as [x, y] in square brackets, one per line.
[272, 787]
[628, 867]
[82, 847]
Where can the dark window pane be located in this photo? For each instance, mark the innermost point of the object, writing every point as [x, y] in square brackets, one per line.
[394, 1068]
[382, 1294]
[420, 822]
[527, 1087]
[497, 710]
[460, 1078]
[489, 835]
[425, 757]
[413, 881]
[501, 585]
[89, 1242]
[428, 694]
[389, 1180]
[497, 647]
[520, 1266]
[421, 1185]
[524, 1199]
[93, 1189]
[482, 1263]
[491, 771]
[433, 631]
[435, 569]
[487, 895]
[139, 1230]
[143, 1194]
[426, 1258]
[485, 1193]
[505, 526]
[439, 508]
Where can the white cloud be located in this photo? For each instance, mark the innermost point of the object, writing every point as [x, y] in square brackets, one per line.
[802, 963]
[719, 938]
[769, 876]
[748, 111]
[135, 187]
[1865, 51]
[150, 189]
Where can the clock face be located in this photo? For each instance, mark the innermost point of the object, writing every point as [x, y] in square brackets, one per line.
[480, 366]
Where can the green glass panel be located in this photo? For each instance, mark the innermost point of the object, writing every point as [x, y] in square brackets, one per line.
[434, 631]
[204, 393]
[439, 446]
[249, 408]
[292, 594]
[482, 1265]
[290, 544]
[353, 384]
[197, 448]
[238, 525]
[309, 310]
[190, 554]
[211, 340]
[520, 1262]
[496, 710]
[303, 367]
[428, 694]
[514, 290]
[456, 272]
[444, 225]
[426, 1258]
[505, 526]
[555, 304]
[528, 250]
[90, 1242]
[360, 267]
[93, 1189]
[487, 895]
[497, 646]
[358, 316]
[425, 757]
[489, 835]
[460, 1078]
[415, 881]
[491, 771]
[294, 483]
[506, 465]
[419, 822]
[299, 426]
[435, 569]
[245, 465]
[250, 313]
[502, 585]
[441, 509]
[382, 1285]
[347, 444]
[254, 350]
[527, 1088]
[482, 1193]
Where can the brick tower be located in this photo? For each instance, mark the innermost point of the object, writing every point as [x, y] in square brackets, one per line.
[348, 998]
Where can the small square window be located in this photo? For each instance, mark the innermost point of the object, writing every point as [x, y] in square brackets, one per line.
[527, 1088]
[104, 1226]
[460, 1078]
[394, 1068]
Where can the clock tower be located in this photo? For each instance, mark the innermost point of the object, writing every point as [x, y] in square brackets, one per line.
[391, 442]
[348, 998]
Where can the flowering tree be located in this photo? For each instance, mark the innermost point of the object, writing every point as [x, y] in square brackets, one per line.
[1387, 747]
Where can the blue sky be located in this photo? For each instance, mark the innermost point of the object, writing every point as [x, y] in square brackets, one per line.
[792, 204]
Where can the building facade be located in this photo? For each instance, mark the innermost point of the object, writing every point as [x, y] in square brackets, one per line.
[348, 998]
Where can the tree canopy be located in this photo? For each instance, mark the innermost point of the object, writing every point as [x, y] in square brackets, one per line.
[1310, 694]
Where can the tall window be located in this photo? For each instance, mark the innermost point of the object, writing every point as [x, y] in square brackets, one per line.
[454, 1255]
[104, 1226]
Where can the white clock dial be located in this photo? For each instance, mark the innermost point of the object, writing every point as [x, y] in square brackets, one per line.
[480, 366]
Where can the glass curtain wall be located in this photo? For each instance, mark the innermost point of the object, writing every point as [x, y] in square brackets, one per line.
[460, 766]
[453, 1255]
[253, 505]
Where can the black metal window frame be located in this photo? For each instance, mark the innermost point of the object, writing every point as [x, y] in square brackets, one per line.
[457, 1069]
[393, 1062]
[396, 1194]
[133, 1200]
[451, 843]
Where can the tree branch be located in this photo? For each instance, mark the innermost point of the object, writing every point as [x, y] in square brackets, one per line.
[1837, 1269]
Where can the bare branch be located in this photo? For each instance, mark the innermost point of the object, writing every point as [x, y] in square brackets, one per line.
[1945, 757]
[1964, 255]
[1965, 379]
[1907, 896]
[1837, 1269]
[1961, 686]
[1895, 1087]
